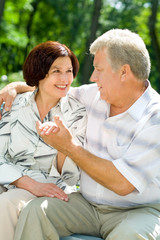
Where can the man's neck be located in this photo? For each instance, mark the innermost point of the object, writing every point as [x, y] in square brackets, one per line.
[127, 100]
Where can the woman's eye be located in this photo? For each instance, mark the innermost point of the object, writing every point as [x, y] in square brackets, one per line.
[56, 71]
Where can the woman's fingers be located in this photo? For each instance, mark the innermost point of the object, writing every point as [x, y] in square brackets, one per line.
[46, 128]
[52, 190]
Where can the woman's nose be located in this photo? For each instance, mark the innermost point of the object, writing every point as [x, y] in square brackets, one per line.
[64, 78]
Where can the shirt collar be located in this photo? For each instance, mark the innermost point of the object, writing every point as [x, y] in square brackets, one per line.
[63, 104]
[137, 109]
[140, 104]
[30, 99]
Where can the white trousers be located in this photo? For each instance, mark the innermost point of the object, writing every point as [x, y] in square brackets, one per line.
[11, 203]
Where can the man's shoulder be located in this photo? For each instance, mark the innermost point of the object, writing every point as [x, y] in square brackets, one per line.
[152, 111]
[154, 102]
[86, 88]
[85, 93]
[155, 96]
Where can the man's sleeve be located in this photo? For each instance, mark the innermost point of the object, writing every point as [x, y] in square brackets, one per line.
[84, 93]
[140, 164]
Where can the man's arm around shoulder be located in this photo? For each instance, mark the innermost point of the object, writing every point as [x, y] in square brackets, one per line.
[9, 92]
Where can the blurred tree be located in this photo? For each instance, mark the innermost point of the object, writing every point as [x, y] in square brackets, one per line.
[2, 2]
[154, 38]
[29, 25]
[76, 24]
[87, 62]
[134, 15]
[29, 22]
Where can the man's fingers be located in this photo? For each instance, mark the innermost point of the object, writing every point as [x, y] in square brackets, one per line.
[1, 101]
[7, 106]
[55, 130]
[9, 98]
[58, 122]
[2, 106]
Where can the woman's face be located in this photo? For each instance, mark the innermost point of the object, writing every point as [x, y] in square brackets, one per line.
[58, 80]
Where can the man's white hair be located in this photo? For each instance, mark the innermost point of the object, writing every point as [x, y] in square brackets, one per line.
[124, 47]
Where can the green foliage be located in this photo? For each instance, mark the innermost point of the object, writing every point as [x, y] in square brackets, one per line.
[26, 23]
[12, 77]
[29, 22]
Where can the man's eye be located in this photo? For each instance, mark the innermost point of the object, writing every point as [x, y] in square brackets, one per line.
[56, 71]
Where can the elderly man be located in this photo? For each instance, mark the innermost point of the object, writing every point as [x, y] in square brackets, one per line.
[119, 194]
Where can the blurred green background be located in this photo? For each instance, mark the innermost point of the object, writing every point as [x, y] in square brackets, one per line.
[76, 23]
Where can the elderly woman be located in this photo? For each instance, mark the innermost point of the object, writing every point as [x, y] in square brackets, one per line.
[30, 168]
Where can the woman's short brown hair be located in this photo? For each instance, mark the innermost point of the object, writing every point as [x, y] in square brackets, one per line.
[40, 59]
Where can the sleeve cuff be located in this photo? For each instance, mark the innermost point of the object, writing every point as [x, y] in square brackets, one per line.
[9, 174]
[132, 177]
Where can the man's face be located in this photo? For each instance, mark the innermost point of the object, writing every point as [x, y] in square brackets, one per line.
[107, 80]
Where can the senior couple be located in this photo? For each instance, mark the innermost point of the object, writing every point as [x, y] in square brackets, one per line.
[116, 153]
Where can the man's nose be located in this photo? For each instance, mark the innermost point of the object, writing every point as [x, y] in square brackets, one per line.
[94, 77]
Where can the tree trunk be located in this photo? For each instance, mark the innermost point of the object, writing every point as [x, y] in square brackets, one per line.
[87, 65]
[154, 39]
[29, 26]
[2, 2]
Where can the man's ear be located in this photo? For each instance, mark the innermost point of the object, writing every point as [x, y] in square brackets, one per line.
[125, 71]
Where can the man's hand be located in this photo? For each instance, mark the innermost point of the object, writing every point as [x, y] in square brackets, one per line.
[7, 96]
[56, 134]
[9, 92]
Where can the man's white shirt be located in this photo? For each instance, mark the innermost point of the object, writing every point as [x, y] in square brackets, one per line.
[130, 140]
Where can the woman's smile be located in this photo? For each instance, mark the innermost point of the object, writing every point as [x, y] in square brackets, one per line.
[61, 86]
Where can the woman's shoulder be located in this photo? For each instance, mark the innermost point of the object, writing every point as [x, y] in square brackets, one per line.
[74, 113]
[21, 100]
[74, 103]
[72, 108]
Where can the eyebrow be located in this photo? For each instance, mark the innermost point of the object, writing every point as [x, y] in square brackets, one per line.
[60, 67]
[96, 66]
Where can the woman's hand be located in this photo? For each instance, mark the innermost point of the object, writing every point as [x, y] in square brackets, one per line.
[48, 190]
[40, 189]
[47, 127]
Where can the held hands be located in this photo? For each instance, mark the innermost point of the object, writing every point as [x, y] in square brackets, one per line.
[46, 128]
[55, 134]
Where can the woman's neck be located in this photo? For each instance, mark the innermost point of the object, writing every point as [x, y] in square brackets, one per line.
[44, 104]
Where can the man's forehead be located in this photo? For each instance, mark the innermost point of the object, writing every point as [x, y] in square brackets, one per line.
[99, 58]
